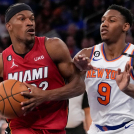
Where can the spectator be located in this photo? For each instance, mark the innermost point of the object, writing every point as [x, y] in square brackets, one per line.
[6, 2]
[71, 44]
[1, 49]
[87, 42]
[2, 24]
[5, 40]
[73, 30]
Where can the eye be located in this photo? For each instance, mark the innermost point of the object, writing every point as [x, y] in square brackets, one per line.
[102, 21]
[112, 21]
[22, 18]
[32, 19]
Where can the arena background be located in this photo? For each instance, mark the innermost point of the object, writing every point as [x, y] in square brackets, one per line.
[76, 22]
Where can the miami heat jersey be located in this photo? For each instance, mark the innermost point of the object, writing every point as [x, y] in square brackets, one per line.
[38, 69]
[109, 106]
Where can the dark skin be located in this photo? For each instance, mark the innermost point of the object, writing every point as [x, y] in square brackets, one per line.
[114, 40]
[23, 42]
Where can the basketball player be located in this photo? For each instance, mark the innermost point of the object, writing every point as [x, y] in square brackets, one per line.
[112, 111]
[45, 63]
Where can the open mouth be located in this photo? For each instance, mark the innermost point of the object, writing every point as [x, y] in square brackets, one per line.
[31, 31]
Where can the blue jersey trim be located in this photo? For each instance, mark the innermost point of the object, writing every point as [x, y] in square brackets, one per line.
[92, 52]
[117, 57]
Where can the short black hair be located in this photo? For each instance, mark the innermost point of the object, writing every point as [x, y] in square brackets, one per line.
[124, 11]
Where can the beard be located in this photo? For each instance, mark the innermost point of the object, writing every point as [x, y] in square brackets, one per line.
[28, 42]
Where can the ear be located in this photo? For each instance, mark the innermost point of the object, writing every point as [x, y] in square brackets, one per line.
[126, 27]
[8, 26]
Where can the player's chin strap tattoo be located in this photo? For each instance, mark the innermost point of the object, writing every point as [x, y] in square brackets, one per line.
[129, 55]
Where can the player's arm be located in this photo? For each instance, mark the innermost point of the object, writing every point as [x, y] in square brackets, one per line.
[1, 65]
[59, 53]
[88, 120]
[129, 90]
[82, 60]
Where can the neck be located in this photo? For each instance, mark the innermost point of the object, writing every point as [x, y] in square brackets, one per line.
[114, 50]
[21, 47]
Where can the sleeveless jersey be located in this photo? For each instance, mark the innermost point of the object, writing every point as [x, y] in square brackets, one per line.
[108, 105]
[37, 68]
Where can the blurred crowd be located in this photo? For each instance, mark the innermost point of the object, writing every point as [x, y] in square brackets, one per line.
[76, 22]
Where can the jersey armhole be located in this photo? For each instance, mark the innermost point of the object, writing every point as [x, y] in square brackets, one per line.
[92, 53]
[132, 64]
[3, 66]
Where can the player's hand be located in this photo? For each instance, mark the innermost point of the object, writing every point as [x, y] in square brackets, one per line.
[35, 98]
[123, 78]
[83, 63]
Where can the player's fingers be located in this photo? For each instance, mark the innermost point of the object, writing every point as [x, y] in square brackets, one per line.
[130, 69]
[26, 103]
[128, 78]
[94, 68]
[28, 108]
[127, 66]
[78, 66]
[28, 85]
[75, 59]
[87, 59]
[119, 71]
[91, 67]
[27, 94]
[80, 57]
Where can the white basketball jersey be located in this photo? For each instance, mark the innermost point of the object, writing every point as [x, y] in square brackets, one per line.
[108, 105]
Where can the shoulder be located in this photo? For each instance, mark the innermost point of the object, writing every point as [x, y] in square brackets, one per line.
[88, 51]
[55, 42]
[85, 51]
[56, 48]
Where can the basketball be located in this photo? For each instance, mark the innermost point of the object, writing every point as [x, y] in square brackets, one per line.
[10, 98]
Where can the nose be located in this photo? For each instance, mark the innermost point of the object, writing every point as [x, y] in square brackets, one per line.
[105, 24]
[29, 22]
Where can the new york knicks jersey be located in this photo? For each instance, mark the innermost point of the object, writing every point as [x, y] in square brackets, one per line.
[108, 105]
[38, 69]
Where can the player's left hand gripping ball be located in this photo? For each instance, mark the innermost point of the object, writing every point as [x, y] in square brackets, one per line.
[35, 98]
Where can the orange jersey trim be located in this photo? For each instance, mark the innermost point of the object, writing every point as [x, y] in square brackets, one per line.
[103, 53]
[131, 64]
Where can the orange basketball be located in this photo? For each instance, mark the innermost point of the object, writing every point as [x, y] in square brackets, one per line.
[10, 98]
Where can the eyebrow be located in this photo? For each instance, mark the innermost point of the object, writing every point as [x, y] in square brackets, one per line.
[108, 16]
[24, 15]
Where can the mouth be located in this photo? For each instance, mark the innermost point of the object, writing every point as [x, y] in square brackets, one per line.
[31, 31]
[104, 31]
